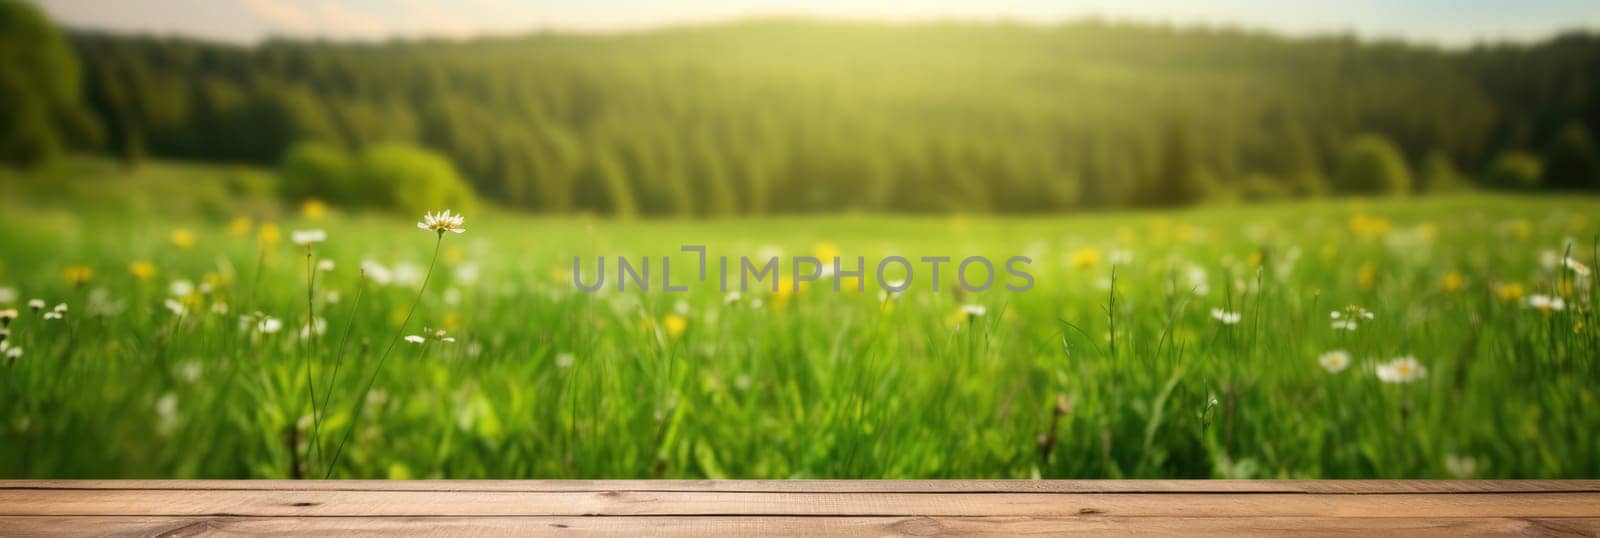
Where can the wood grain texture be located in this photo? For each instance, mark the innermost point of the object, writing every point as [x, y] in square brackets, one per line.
[790, 526]
[812, 507]
[850, 486]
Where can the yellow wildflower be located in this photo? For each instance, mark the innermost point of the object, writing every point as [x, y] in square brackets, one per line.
[1085, 258]
[1511, 292]
[240, 226]
[313, 209]
[183, 238]
[1364, 226]
[1452, 282]
[78, 275]
[1367, 276]
[142, 270]
[674, 324]
[268, 234]
[825, 251]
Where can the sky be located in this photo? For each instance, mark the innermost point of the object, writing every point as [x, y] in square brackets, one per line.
[1446, 22]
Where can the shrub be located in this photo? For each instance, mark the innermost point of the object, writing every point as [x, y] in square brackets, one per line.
[1515, 170]
[1571, 161]
[1370, 164]
[1438, 174]
[318, 170]
[411, 180]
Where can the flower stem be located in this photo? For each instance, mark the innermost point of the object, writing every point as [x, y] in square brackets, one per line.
[338, 356]
[361, 402]
[310, 343]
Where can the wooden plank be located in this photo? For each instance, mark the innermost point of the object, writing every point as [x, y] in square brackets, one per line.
[793, 526]
[845, 486]
[634, 503]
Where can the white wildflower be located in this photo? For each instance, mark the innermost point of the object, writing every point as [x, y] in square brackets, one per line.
[318, 326]
[189, 371]
[176, 307]
[180, 288]
[1334, 361]
[308, 237]
[430, 334]
[892, 289]
[1401, 370]
[376, 272]
[8, 295]
[1547, 303]
[407, 274]
[1573, 265]
[564, 360]
[974, 310]
[443, 222]
[1461, 466]
[467, 273]
[1226, 317]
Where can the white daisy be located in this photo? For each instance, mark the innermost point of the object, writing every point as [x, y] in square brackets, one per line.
[888, 293]
[36, 304]
[467, 273]
[1549, 258]
[1573, 265]
[1344, 324]
[443, 222]
[376, 272]
[974, 310]
[428, 334]
[269, 325]
[318, 326]
[564, 360]
[1547, 303]
[324, 265]
[1226, 317]
[1334, 361]
[308, 237]
[175, 306]
[180, 288]
[1401, 370]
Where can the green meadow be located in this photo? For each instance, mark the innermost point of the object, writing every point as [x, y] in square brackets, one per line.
[199, 340]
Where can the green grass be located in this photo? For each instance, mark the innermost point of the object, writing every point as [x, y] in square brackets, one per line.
[1070, 379]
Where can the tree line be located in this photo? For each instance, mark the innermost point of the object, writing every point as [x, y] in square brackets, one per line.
[794, 115]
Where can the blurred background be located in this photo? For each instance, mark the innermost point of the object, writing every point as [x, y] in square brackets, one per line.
[709, 109]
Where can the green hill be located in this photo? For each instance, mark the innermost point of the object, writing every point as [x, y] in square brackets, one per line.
[789, 115]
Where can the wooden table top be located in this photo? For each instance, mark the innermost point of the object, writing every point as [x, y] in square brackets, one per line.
[799, 507]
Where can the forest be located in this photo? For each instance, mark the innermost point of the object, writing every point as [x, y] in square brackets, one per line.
[788, 115]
